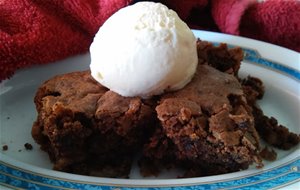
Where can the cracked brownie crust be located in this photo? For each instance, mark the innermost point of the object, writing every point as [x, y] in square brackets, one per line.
[88, 129]
[208, 124]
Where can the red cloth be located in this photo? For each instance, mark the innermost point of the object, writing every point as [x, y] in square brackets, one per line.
[274, 21]
[228, 14]
[42, 31]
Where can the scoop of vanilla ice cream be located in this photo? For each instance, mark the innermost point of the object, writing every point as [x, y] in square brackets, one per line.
[143, 50]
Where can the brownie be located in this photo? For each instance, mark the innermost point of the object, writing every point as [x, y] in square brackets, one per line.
[211, 126]
[207, 125]
[88, 129]
[273, 133]
[220, 57]
[268, 154]
[267, 127]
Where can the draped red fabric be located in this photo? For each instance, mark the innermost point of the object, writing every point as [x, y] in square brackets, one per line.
[43, 31]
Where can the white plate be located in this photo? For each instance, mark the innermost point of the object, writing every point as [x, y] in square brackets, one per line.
[278, 67]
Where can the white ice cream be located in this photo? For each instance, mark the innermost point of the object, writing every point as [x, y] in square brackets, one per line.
[143, 50]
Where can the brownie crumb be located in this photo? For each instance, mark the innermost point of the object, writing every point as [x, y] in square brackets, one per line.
[7, 118]
[272, 132]
[268, 154]
[19, 150]
[4, 147]
[28, 146]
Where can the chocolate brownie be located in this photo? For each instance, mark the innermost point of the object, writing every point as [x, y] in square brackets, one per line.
[88, 129]
[220, 57]
[208, 125]
[267, 127]
[211, 126]
[268, 154]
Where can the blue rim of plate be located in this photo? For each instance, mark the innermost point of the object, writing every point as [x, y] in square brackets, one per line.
[254, 57]
[276, 177]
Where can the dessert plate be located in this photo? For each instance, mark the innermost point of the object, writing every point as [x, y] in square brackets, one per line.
[279, 68]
